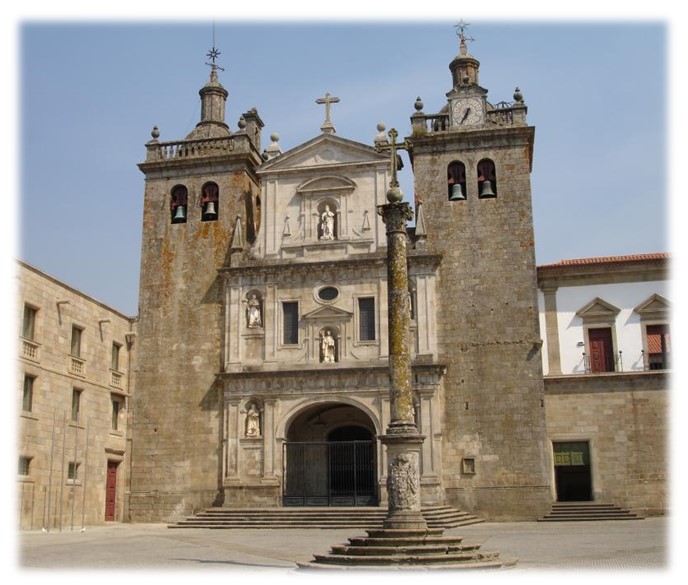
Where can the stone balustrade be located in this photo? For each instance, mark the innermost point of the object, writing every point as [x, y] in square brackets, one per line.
[77, 366]
[30, 349]
[189, 149]
[502, 115]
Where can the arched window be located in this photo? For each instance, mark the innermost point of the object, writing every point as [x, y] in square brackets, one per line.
[456, 181]
[487, 179]
[210, 198]
[179, 204]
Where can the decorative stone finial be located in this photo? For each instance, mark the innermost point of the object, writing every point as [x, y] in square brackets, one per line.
[518, 96]
[274, 149]
[241, 123]
[418, 105]
[394, 194]
[155, 133]
[380, 138]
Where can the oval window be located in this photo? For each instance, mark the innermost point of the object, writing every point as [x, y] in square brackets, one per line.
[328, 293]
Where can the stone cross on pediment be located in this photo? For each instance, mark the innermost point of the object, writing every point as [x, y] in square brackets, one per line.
[327, 126]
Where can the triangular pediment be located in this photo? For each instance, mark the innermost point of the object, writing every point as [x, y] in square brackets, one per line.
[599, 310]
[655, 306]
[323, 151]
[328, 313]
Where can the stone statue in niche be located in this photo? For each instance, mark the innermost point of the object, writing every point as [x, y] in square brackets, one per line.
[327, 348]
[253, 422]
[327, 224]
[253, 318]
[403, 482]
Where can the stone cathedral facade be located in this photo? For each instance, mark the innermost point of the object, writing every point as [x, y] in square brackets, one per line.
[262, 348]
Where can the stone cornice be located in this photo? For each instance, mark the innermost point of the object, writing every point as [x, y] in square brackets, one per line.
[653, 380]
[603, 272]
[319, 378]
[478, 139]
[280, 267]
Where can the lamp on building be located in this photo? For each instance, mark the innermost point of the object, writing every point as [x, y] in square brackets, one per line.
[129, 338]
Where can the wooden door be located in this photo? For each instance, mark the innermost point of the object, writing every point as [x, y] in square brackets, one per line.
[111, 490]
[601, 350]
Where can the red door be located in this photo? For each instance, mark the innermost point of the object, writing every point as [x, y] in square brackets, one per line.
[601, 351]
[111, 490]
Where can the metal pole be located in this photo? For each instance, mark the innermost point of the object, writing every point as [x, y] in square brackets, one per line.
[21, 505]
[62, 480]
[76, 441]
[83, 502]
[50, 475]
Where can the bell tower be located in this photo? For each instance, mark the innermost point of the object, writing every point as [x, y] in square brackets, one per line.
[472, 164]
[199, 204]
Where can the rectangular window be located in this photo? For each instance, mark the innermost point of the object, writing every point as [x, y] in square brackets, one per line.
[24, 465]
[73, 471]
[290, 311]
[29, 323]
[366, 319]
[114, 365]
[658, 347]
[116, 409]
[27, 398]
[76, 403]
[76, 341]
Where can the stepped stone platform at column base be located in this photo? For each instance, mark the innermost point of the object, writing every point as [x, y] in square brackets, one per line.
[389, 548]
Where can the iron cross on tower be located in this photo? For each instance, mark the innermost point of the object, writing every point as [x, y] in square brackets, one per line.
[395, 159]
[327, 126]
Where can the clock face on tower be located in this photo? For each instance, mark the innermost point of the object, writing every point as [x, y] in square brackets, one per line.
[467, 113]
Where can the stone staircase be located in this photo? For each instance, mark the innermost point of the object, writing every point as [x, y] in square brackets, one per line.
[587, 511]
[442, 517]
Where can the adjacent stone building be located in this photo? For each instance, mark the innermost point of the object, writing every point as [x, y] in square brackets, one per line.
[74, 379]
[261, 344]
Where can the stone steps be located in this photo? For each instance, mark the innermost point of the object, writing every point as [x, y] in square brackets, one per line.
[349, 517]
[587, 511]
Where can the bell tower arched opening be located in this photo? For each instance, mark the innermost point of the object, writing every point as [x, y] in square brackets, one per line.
[330, 458]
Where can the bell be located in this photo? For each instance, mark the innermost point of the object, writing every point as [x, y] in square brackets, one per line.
[210, 210]
[456, 193]
[179, 214]
[486, 190]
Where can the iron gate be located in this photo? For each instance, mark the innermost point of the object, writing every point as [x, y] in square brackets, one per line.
[340, 473]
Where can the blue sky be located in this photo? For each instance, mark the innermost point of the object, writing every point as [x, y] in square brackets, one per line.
[90, 93]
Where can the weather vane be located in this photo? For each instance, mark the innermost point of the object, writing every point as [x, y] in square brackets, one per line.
[214, 54]
[461, 29]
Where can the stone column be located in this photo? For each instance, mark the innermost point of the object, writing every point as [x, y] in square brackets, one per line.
[269, 439]
[552, 330]
[402, 439]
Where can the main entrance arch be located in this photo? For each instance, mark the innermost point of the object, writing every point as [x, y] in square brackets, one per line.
[329, 458]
